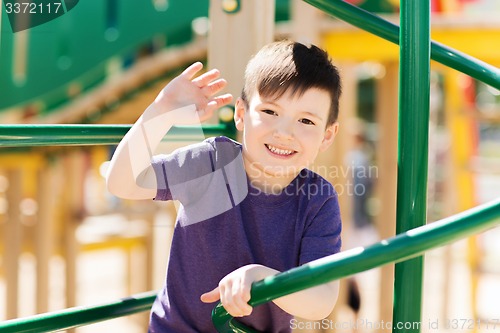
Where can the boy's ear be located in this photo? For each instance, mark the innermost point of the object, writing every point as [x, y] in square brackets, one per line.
[330, 133]
[239, 114]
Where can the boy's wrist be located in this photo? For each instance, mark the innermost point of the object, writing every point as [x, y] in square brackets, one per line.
[162, 105]
[158, 108]
[162, 114]
[260, 272]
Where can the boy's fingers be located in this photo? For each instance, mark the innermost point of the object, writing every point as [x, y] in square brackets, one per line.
[227, 300]
[206, 113]
[222, 100]
[217, 102]
[240, 302]
[192, 70]
[205, 78]
[214, 87]
[211, 296]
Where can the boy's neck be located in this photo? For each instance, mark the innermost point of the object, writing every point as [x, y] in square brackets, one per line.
[268, 183]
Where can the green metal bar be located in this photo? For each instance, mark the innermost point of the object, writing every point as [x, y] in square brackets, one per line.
[448, 56]
[79, 135]
[414, 99]
[79, 316]
[399, 248]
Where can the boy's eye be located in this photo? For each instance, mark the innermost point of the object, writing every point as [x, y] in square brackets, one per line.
[270, 112]
[306, 121]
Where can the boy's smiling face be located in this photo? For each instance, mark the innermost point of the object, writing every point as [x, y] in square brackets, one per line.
[282, 136]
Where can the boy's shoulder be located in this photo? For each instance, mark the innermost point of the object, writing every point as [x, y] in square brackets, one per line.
[313, 185]
[220, 145]
[223, 143]
[200, 173]
[198, 159]
[222, 139]
[224, 151]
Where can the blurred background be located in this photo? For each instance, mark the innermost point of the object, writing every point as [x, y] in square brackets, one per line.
[66, 241]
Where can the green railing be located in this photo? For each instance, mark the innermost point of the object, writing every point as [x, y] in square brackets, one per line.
[413, 116]
[79, 316]
[406, 245]
[81, 135]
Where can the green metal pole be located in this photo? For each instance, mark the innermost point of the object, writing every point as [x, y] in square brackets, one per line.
[79, 316]
[79, 135]
[413, 129]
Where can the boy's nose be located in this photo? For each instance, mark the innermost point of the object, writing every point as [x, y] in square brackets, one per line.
[284, 130]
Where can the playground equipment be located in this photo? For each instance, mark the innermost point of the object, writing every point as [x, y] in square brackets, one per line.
[408, 244]
[51, 53]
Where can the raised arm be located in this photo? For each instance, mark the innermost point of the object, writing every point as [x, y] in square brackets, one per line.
[185, 100]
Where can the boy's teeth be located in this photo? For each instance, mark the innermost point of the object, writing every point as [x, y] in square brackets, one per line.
[279, 151]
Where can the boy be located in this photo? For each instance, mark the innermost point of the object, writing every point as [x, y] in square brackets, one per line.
[248, 210]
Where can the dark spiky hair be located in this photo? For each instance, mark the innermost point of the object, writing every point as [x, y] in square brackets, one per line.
[285, 66]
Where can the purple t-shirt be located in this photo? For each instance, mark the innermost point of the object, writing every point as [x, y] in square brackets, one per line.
[225, 223]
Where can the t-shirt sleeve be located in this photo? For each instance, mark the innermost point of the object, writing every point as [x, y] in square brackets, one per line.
[207, 178]
[322, 235]
[180, 168]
